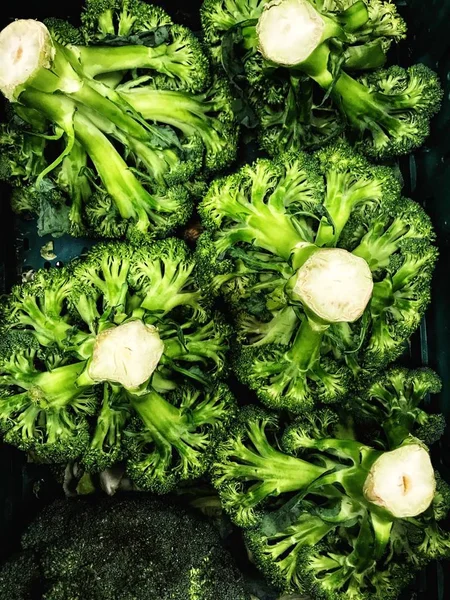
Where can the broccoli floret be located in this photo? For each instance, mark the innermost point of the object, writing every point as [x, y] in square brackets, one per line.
[287, 377]
[171, 439]
[249, 469]
[394, 401]
[283, 555]
[103, 19]
[103, 218]
[106, 445]
[208, 116]
[22, 156]
[24, 200]
[164, 278]
[441, 501]
[174, 554]
[46, 411]
[148, 41]
[219, 16]
[296, 120]
[64, 32]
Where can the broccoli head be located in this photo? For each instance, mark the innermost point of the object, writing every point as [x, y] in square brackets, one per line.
[93, 348]
[277, 232]
[175, 554]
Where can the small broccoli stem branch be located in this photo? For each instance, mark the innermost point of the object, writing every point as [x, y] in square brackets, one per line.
[377, 246]
[177, 109]
[97, 60]
[278, 473]
[382, 527]
[271, 229]
[305, 351]
[340, 205]
[166, 297]
[58, 388]
[195, 350]
[130, 197]
[109, 426]
[165, 423]
[48, 330]
[93, 100]
[398, 428]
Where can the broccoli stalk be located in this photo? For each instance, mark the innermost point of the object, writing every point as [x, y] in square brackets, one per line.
[170, 439]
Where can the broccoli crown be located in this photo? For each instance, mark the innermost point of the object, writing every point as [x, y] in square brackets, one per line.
[63, 398]
[263, 227]
[287, 97]
[175, 555]
[113, 161]
[299, 493]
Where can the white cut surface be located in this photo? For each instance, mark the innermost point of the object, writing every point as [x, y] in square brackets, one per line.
[335, 285]
[289, 31]
[25, 47]
[128, 354]
[402, 481]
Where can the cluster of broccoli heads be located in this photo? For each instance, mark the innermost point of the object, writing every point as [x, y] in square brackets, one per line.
[114, 126]
[310, 275]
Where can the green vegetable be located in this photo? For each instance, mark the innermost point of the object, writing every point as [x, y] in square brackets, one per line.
[116, 357]
[293, 56]
[326, 514]
[326, 267]
[173, 554]
[120, 126]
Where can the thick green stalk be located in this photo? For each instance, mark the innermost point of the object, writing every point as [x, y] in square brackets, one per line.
[305, 351]
[97, 60]
[162, 420]
[55, 389]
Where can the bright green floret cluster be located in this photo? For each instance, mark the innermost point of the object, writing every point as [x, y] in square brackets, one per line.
[280, 234]
[116, 357]
[128, 113]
